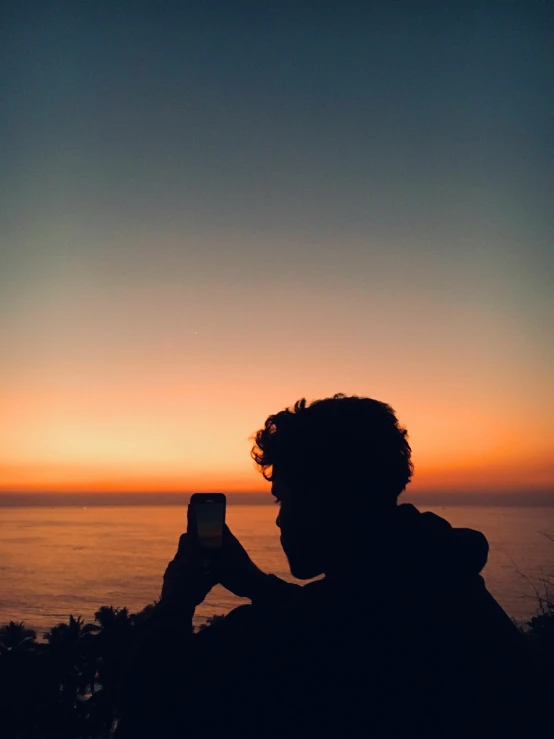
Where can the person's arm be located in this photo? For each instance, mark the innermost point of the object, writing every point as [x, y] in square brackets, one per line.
[241, 576]
[271, 590]
[163, 681]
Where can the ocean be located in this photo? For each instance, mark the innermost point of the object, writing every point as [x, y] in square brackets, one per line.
[56, 561]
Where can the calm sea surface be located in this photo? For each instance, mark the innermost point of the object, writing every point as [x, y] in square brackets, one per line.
[57, 561]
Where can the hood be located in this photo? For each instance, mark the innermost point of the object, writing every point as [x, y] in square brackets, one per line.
[429, 544]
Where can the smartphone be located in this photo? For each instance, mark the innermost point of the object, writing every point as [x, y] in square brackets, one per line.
[206, 520]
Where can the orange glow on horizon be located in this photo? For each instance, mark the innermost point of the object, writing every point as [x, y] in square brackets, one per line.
[496, 476]
[91, 421]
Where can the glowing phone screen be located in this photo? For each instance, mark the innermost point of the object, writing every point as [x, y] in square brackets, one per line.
[209, 524]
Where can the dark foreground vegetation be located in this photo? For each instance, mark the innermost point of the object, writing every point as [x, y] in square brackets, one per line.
[65, 686]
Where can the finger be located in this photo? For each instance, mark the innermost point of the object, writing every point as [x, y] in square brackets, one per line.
[186, 549]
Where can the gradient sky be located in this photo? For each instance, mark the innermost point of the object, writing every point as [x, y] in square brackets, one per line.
[211, 209]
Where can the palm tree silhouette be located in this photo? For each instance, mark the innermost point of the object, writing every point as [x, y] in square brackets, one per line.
[210, 621]
[16, 636]
[69, 675]
[18, 678]
[114, 635]
[68, 647]
[142, 616]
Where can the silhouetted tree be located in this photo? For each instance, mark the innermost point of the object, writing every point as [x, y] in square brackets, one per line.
[115, 633]
[143, 615]
[541, 632]
[210, 621]
[19, 679]
[16, 636]
[68, 677]
[69, 650]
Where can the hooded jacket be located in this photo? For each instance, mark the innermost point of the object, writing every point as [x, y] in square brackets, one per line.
[406, 643]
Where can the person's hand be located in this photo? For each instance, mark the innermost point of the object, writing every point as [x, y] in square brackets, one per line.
[236, 571]
[185, 585]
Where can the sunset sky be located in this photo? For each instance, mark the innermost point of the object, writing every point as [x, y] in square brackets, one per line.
[212, 209]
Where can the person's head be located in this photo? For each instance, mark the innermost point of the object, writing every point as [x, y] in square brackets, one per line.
[336, 466]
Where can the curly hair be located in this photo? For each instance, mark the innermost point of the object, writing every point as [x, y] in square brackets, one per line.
[343, 439]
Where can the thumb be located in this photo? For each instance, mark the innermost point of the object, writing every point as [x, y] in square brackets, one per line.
[187, 551]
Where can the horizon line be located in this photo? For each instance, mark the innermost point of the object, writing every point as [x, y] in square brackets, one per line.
[141, 498]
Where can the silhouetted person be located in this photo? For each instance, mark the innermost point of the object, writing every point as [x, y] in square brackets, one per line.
[399, 638]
